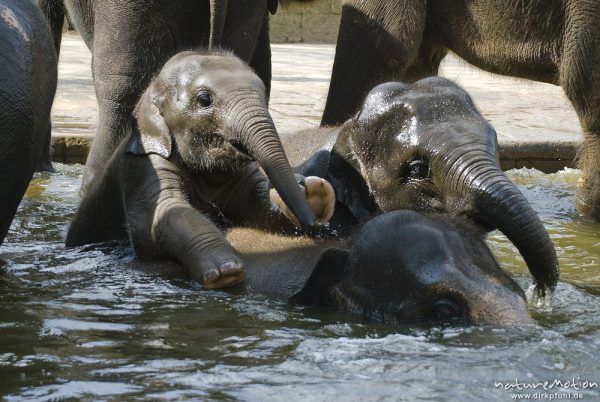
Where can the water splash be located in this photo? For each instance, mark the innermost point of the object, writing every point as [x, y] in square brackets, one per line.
[542, 303]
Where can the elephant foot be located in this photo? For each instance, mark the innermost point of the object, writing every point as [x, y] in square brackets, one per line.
[227, 274]
[588, 199]
[320, 196]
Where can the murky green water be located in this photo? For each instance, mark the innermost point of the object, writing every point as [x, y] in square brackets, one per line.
[97, 325]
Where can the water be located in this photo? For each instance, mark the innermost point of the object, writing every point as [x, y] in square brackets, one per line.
[97, 325]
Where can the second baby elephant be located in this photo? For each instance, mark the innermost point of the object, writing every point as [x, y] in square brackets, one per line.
[399, 267]
[188, 169]
[425, 147]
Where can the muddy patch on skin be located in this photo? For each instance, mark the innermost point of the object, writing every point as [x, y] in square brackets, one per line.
[10, 19]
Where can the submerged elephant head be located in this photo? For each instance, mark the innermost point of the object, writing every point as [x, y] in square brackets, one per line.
[405, 267]
[210, 111]
[426, 147]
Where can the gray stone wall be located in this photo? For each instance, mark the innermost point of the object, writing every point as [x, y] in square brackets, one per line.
[312, 22]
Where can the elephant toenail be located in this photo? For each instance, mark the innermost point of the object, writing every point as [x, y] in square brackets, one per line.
[211, 276]
[229, 268]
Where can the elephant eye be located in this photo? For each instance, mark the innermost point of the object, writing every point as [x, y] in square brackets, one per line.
[204, 98]
[446, 309]
[417, 169]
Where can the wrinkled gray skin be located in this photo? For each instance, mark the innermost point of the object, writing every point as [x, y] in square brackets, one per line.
[27, 86]
[130, 40]
[424, 147]
[553, 41]
[400, 267]
[188, 168]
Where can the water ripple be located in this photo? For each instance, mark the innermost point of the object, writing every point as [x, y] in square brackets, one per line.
[93, 323]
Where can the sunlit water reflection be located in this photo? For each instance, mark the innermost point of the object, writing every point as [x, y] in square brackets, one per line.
[97, 325]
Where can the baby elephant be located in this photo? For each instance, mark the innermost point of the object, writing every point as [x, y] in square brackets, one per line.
[189, 167]
[399, 267]
[425, 147]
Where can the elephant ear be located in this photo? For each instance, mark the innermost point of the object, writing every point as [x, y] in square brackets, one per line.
[344, 174]
[150, 134]
[327, 272]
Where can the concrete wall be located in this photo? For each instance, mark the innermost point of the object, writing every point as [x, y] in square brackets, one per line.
[313, 22]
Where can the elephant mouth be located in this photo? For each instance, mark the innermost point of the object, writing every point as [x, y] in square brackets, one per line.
[219, 145]
[214, 152]
[242, 150]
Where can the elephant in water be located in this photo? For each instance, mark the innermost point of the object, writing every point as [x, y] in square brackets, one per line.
[189, 167]
[552, 41]
[131, 39]
[27, 87]
[399, 267]
[424, 147]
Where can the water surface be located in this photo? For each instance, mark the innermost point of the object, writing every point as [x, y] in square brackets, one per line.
[94, 324]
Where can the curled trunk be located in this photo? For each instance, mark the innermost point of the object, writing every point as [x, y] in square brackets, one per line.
[500, 203]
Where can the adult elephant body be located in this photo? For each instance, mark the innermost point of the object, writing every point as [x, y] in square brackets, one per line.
[554, 41]
[399, 267]
[130, 40]
[27, 87]
[424, 147]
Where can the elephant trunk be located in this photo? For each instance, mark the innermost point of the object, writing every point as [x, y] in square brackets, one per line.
[498, 201]
[255, 131]
[498, 305]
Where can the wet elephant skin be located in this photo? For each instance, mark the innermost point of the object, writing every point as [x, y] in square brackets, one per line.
[399, 267]
[27, 87]
[424, 146]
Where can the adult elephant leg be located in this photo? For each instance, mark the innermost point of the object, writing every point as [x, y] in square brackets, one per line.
[27, 86]
[44, 161]
[588, 157]
[426, 64]
[218, 14]
[244, 31]
[580, 78]
[115, 90]
[124, 60]
[54, 11]
[261, 60]
[371, 50]
[16, 167]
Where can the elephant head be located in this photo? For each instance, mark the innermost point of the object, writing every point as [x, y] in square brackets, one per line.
[402, 266]
[209, 111]
[426, 147]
